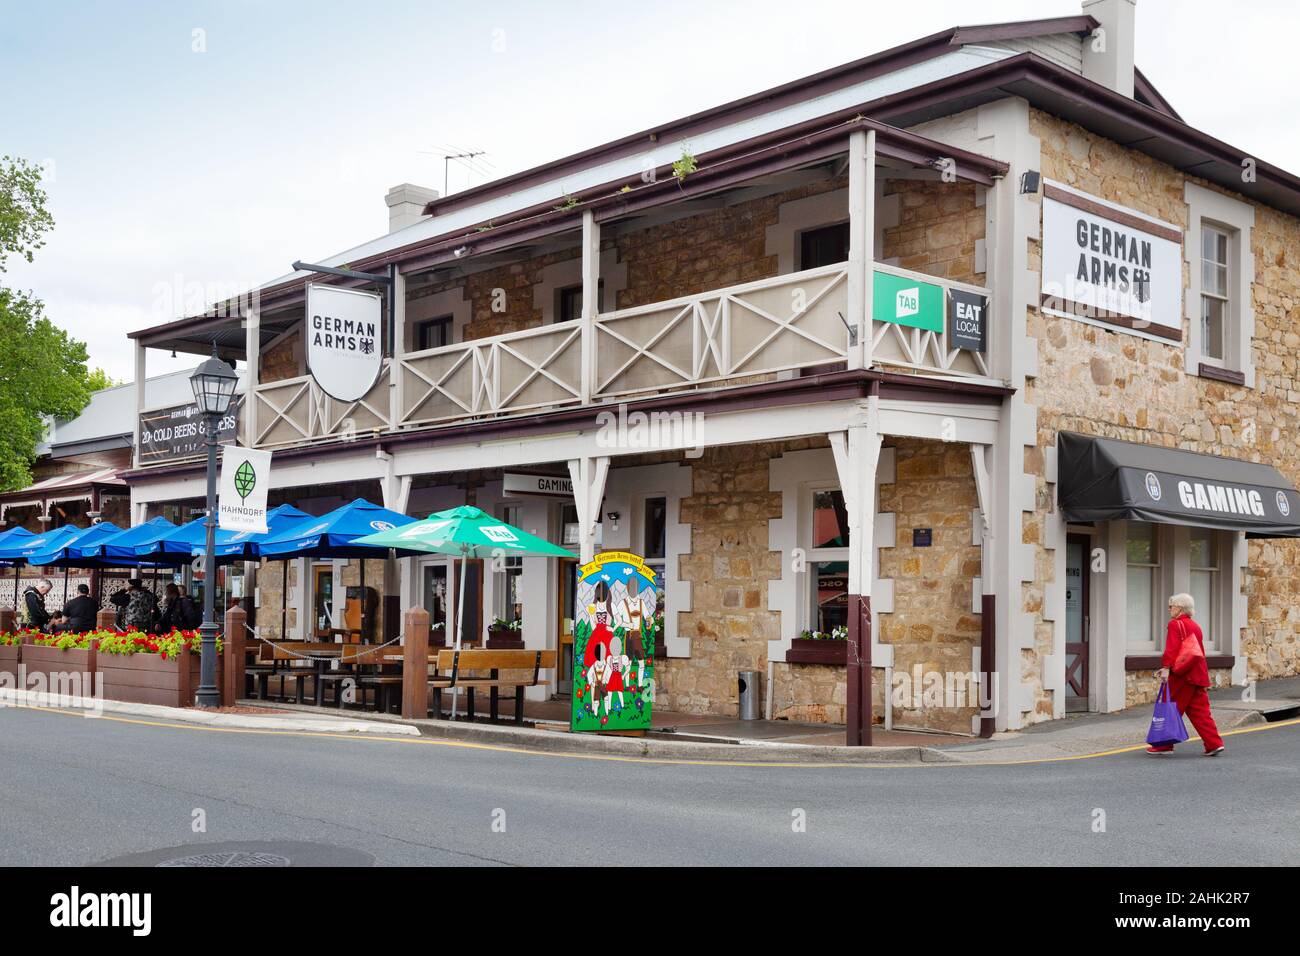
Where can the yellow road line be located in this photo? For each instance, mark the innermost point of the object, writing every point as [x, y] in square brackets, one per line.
[618, 758]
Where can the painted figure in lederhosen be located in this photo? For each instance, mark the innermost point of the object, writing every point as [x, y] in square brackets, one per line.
[596, 656]
[632, 615]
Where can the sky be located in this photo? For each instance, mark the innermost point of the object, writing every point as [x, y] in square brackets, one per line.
[203, 146]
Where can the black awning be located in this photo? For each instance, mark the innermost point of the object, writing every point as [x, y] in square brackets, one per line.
[1103, 479]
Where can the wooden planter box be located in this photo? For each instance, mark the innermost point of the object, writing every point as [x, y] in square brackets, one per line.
[10, 655]
[42, 664]
[504, 639]
[805, 650]
[148, 679]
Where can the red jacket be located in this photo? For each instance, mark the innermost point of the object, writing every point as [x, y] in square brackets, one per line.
[1184, 628]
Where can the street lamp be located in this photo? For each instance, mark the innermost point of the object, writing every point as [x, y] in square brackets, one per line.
[214, 386]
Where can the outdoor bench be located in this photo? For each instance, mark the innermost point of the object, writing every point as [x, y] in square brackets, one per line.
[466, 667]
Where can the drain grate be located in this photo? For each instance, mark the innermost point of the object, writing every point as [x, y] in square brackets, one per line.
[246, 854]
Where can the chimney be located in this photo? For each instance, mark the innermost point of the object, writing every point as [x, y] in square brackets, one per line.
[406, 205]
[1108, 53]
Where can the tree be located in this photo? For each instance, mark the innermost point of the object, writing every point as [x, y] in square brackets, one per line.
[98, 380]
[23, 216]
[42, 369]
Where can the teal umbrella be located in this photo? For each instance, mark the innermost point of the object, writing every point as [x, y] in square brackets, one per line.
[466, 532]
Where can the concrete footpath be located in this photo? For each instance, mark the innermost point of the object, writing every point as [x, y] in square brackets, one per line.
[680, 737]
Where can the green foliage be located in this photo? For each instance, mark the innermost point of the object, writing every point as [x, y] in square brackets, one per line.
[97, 380]
[42, 370]
[24, 219]
[684, 166]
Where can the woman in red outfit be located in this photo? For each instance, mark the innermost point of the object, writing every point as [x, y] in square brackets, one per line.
[1188, 689]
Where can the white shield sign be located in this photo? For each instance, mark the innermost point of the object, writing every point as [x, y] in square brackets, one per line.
[241, 493]
[344, 340]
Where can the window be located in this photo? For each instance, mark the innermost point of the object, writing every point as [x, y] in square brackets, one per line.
[828, 561]
[433, 333]
[654, 548]
[1142, 551]
[1203, 555]
[824, 246]
[568, 301]
[1215, 309]
[509, 603]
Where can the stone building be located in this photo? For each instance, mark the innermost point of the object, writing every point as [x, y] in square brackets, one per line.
[972, 348]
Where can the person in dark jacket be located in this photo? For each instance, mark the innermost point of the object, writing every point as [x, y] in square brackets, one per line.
[1188, 689]
[81, 611]
[178, 612]
[34, 601]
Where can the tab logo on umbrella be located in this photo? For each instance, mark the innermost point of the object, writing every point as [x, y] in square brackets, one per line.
[499, 533]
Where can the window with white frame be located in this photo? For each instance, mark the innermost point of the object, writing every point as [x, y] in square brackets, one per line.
[1216, 303]
[508, 601]
[1204, 578]
[1145, 582]
[828, 561]
[1221, 276]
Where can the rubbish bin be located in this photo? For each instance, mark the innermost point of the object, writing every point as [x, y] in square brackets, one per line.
[750, 706]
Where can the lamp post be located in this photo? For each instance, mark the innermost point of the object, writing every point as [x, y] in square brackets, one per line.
[214, 386]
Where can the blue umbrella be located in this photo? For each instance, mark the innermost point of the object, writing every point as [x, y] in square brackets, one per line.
[14, 536]
[245, 545]
[61, 553]
[23, 549]
[118, 550]
[174, 546]
[332, 535]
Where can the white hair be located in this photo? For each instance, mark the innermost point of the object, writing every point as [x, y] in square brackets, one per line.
[1184, 601]
[45, 583]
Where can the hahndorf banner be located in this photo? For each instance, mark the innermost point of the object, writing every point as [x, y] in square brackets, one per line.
[241, 493]
[614, 632]
[344, 344]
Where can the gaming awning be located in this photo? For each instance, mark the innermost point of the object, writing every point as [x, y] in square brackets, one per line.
[1104, 479]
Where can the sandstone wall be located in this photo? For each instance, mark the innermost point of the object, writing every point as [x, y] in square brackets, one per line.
[1112, 384]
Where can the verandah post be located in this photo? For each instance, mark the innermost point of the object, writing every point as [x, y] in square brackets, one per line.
[415, 663]
[233, 655]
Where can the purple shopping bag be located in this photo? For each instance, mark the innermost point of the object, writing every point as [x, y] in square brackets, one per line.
[1166, 723]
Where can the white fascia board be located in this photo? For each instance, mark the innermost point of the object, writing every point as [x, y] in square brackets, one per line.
[630, 167]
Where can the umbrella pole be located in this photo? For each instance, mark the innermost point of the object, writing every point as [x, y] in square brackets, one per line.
[460, 621]
[284, 598]
[65, 584]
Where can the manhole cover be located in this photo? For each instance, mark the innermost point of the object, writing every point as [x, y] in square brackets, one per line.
[238, 858]
[269, 853]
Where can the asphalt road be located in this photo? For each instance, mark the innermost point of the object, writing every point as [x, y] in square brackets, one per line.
[75, 791]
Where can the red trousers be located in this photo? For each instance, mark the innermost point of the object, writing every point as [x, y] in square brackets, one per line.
[1195, 703]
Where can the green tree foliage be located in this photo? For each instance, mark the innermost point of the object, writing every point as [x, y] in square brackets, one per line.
[42, 372]
[98, 380]
[42, 369]
[23, 216]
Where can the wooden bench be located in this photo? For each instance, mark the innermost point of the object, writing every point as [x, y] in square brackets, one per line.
[465, 668]
[282, 656]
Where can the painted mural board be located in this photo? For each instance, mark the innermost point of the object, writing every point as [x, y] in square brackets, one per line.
[614, 633]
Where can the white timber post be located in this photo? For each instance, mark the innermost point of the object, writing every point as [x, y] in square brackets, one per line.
[857, 452]
[140, 378]
[253, 358]
[588, 476]
[590, 301]
[395, 403]
[862, 199]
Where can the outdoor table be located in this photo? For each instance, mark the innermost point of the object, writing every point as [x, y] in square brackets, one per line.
[321, 657]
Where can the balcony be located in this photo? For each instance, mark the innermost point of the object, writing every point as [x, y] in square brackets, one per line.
[762, 329]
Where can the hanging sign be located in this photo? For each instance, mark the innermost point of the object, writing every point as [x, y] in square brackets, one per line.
[614, 632]
[344, 345]
[241, 493]
[907, 301]
[178, 432]
[967, 323]
[520, 485]
[1111, 264]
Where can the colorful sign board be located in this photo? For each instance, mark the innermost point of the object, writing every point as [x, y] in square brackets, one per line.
[907, 301]
[344, 340]
[614, 634]
[178, 432]
[1110, 263]
[967, 320]
[241, 492]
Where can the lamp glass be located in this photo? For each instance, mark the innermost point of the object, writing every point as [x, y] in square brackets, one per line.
[214, 386]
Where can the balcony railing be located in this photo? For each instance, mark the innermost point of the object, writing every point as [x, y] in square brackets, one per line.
[757, 329]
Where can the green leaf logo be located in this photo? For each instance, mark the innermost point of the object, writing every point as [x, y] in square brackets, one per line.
[245, 480]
